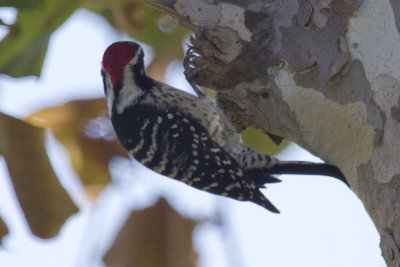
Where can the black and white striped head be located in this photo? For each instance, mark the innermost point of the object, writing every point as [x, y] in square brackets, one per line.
[123, 74]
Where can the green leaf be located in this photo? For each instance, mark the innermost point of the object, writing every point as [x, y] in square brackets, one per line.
[21, 4]
[261, 142]
[30, 60]
[24, 47]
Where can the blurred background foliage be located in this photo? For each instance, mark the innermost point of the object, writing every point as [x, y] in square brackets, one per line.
[83, 126]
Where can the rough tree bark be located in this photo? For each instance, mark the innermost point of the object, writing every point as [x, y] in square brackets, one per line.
[322, 73]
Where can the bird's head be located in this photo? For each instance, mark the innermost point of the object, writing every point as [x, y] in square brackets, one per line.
[123, 72]
[118, 57]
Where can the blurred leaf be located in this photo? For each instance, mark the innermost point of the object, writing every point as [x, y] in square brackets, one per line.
[24, 47]
[44, 201]
[3, 230]
[212, 93]
[145, 24]
[261, 142]
[85, 130]
[21, 4]
[157, 237]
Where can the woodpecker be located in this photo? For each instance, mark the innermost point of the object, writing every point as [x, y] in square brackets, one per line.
[186, 137]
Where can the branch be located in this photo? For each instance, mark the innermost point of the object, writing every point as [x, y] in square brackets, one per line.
[317, 74]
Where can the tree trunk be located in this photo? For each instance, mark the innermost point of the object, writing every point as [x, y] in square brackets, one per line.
[323, 74]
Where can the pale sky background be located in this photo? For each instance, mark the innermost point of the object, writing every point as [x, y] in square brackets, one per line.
[322, 223]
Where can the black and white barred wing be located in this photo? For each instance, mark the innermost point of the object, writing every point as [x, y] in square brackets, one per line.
[171, 144]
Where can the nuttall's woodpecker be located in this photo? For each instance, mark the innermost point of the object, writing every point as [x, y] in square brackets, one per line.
[186, 137]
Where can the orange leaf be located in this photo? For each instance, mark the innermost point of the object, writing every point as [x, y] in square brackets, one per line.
[84, 128]
[3, 230]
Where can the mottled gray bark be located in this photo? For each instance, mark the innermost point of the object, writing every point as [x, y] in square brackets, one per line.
[324, 74]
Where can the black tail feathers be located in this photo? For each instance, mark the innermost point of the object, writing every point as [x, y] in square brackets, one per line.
[261, 177]
[260, 199]
[307, 168]
[265, 176]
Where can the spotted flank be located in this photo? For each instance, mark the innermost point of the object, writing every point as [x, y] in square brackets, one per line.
[193, 158]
